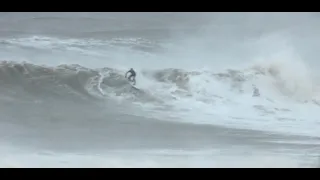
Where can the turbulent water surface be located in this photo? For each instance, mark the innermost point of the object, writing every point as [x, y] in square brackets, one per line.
[64, 101]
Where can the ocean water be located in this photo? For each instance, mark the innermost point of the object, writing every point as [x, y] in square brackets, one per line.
[64, 101]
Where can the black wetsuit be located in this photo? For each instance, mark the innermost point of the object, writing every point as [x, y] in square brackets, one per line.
[256, 92]
[132, 76]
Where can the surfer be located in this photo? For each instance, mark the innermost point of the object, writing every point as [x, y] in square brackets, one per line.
[256, 92]
[132, 76]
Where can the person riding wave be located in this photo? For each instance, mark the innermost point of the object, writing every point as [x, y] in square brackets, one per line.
[132, 76]
[256, 91]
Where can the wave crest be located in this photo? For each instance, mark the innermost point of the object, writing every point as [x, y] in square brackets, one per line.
[77, 81]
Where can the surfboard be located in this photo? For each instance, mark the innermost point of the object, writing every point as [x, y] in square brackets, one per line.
[133, 86]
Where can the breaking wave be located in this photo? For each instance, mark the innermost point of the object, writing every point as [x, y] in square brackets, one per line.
[76, 81]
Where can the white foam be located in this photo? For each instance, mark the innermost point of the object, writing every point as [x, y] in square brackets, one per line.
[210, 100]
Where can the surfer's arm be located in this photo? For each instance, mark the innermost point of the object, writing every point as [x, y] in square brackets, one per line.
[126, 74]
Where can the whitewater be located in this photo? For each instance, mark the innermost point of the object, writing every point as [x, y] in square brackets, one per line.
[64, 100]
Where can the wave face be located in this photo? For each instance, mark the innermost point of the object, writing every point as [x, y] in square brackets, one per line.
[79, 82]
[203, 86]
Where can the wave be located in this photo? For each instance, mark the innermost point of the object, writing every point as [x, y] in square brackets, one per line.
[64, 81]
[73, 80]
